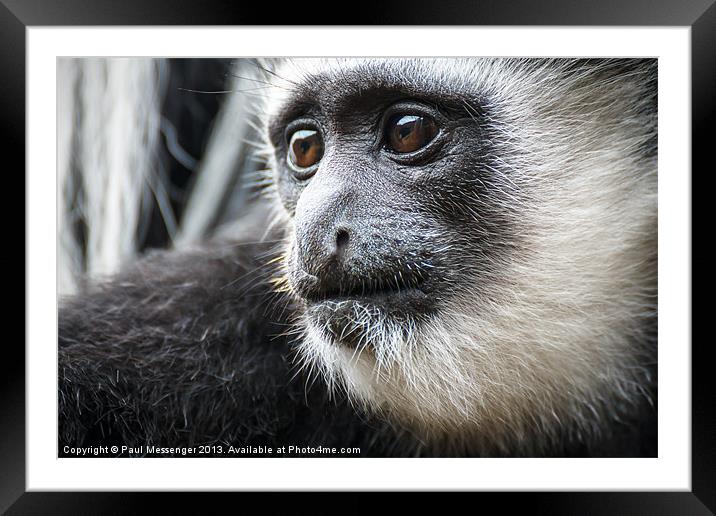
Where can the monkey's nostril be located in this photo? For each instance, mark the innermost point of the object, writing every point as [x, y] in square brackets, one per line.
[342, 239]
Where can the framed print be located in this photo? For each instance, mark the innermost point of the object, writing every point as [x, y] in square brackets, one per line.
[259, 262]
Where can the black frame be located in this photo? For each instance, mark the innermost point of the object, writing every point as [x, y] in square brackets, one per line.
[700, 15]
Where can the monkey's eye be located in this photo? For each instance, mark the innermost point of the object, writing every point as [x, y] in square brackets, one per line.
[305, 148]
[408, 133]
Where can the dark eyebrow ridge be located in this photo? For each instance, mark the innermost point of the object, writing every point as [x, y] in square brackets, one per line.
[324, 92]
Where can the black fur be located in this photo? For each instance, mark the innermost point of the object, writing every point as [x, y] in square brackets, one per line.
[178, 351]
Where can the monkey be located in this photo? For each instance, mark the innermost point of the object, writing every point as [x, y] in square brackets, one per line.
[455, 257]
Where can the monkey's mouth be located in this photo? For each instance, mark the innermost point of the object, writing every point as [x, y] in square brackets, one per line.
[350, 313]
[400, 288]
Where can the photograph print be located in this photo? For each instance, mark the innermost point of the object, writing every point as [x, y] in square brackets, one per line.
[380, 257]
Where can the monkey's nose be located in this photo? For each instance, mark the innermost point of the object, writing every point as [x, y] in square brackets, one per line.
[329, 253]
[322, 263]
[343, 238]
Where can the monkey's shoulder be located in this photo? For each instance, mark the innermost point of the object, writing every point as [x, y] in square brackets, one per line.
[189, 348]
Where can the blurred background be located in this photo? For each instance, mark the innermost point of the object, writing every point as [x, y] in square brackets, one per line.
[152, 153]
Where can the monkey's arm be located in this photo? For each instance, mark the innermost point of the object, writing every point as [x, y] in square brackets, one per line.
[183, 350]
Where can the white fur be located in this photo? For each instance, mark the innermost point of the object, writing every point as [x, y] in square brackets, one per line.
[109, 111]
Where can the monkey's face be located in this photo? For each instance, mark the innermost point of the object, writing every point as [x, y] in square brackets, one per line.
[433, 231]
[389, 193]
[382, 188]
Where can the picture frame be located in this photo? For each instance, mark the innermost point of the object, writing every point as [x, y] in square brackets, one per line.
[16, 16]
